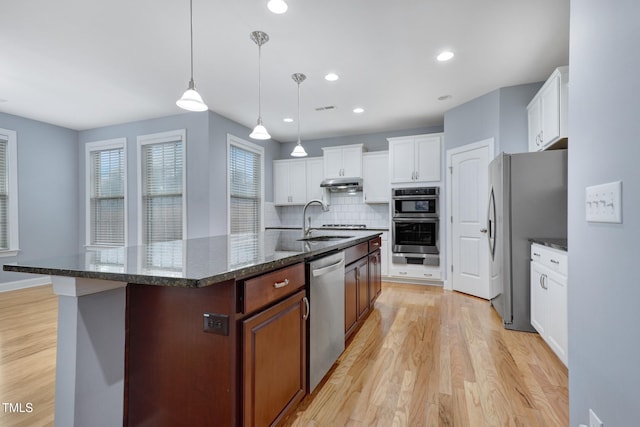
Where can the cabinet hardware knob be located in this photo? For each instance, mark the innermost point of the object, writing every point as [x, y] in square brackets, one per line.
[279, 285]
[536, 254]
[483, 230]
[555, 261]
[403, 272]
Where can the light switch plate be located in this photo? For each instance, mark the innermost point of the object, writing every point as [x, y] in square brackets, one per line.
[603, 203]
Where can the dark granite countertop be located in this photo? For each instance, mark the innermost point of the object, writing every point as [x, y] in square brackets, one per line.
[193, 262]
[560, 244]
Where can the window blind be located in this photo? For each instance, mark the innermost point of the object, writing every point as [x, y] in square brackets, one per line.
[162, 190]
[107, 197]
[4, 196]
[245, 189]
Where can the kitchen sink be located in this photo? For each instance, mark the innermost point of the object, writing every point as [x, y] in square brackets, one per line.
[324, 238]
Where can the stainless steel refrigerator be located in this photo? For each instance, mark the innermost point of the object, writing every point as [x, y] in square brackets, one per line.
[527, 199]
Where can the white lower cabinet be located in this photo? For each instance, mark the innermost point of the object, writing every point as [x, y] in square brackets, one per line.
[549, 297]
[414, 272]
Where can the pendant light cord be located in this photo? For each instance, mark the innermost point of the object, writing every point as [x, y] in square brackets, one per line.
[259, 82]
[191, 36]
[298, 112]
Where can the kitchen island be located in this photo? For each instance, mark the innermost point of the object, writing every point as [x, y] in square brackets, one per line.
[207, 331]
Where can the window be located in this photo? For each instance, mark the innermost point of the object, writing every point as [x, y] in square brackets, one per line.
[106, 184]
[8, 193]
[162, 187]
[246, 186]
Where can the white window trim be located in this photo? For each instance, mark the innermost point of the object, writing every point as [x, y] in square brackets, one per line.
[12, 172]
[254, 148]
[158, 138]
[99, 146]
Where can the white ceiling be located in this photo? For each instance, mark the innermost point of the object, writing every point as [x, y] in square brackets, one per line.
[83, 64]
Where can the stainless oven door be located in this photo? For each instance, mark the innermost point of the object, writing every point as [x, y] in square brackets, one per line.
[415, 235]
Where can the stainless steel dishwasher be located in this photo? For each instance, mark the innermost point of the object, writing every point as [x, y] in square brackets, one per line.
[326, 319]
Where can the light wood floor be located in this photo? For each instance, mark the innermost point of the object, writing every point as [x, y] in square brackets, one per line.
[28, 328]
[428, 357]
[425, 357]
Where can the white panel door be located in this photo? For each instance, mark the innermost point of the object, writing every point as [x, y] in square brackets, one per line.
[470, 251]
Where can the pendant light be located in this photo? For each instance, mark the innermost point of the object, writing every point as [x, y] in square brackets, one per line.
[298, 150]
[259, 132]
[191, 99]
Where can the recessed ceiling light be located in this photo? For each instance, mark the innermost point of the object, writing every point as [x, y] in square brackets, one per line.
[444, 97]
[287, 120]
[358, 110]
[277, 6]
[331, 77]
[445, 56]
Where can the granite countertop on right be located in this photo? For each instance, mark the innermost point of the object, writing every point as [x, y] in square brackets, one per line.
[560, 244]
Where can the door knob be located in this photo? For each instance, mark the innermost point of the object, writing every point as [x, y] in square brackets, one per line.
[483, 230]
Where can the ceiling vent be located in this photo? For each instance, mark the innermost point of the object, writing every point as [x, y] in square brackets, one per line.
[328, 107]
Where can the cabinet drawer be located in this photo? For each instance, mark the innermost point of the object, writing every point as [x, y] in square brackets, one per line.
[356, 252]
[551, 258]
[375, 244]
[263, 290]
[414, 272]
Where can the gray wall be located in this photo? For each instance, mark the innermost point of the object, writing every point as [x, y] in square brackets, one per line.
[372, 142]
[47, 191]
[604, 126]
[500, 114]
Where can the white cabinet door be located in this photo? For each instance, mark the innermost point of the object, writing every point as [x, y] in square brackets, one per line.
[401, 160]
[343, 161]
[315, 175]
[332, 163]
[534, 116]
[298, 181]
[352, 162]
[547, 112]
[415, 159]
[549, 314]
[557, 322]
[376, 177]
[384, 254]
[427, 157]
[550, 101]
[538, 298]
[281, 183]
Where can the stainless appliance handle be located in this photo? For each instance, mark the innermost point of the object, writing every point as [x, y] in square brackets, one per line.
[320, 271]
[306, 303]
[414, 219]
[483, 230]
[491, 220]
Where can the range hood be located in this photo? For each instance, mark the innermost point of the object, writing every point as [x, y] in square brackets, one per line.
[342, 185]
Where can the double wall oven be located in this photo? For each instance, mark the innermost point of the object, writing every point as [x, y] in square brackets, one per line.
[415, 225]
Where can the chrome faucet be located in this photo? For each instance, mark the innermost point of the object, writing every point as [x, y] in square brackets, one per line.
[306, 230]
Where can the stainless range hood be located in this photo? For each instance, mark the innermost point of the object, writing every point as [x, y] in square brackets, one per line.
[342, 185]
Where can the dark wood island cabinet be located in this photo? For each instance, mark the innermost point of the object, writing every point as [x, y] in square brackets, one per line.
[221, 342]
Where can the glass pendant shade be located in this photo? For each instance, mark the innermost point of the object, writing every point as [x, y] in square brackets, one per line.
[298, 150]
[277, 6]
[260, 132]
[191, 100]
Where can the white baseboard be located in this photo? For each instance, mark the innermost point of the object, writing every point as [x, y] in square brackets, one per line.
[23, 284]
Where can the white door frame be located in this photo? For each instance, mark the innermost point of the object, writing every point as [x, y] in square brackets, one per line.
[489, 142]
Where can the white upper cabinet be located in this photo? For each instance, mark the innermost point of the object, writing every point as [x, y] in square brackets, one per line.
[415, 159]
[375, 169]
[548, 111]
[289, 182]
[315, 175]
[343, 161]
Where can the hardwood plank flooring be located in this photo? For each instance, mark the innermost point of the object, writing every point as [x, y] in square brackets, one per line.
[424, 357]
[429, 357]
[28, 328]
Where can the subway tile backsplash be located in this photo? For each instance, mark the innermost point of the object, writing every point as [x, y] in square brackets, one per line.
[343, 209]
